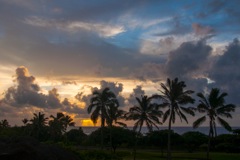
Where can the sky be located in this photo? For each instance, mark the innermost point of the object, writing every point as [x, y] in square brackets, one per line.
[53, 53]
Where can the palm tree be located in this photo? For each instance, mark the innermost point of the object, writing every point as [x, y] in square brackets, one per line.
[214, 108]
[38, 123]
[4, 124]
[98, 106]
[113, 115]
[25, 121]
[174, 97]
[144, 112]
[68, 121]
[58, 125]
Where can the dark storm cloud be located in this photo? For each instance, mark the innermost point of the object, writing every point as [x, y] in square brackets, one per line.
[225, 71]
[188, 59]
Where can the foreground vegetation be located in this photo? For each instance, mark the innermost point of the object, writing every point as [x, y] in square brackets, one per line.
[74, 144]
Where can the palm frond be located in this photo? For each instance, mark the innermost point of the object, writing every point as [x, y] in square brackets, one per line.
[122, 124]
[226, 108]
[199, 121]
[183, 116]
[203, 99]
[188, 110]
[166, 115]
[173, 117]
[202, 107]
[224, 124]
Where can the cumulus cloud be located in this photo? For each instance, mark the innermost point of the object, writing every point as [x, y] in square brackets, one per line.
[225, 71]
[115, 87]
[137, 92]
[27, 93]
[73, 108]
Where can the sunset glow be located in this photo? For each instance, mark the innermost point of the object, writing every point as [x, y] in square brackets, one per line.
[87, 122]
[54, 54]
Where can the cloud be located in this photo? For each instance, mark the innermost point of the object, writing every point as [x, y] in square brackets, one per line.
[189, 59]
[69, 82]
[150, 71]
[27, 93]
[212, 8]
[161, 47]
[132, 22]
[200, 30]
[103, 30]
[176, 27]
[115, 87]
[137, 92]
[225, 71]
[22, 3]
[73, 108]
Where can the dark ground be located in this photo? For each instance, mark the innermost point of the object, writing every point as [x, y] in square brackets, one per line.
[24, 148]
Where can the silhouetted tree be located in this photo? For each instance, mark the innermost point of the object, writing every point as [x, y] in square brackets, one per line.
[214, 108]
[144, 112]
[113, 115]
[38, 125]
[76, 136]
[174, 97]
[4, 124]
[98, 106]
[25, 121]
[193, 140]
[58, 125]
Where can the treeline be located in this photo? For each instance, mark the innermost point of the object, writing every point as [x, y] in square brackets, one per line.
[173, 102]
[120, 137]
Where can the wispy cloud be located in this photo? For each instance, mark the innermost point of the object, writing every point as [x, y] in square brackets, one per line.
[133, 22]
[102, 29]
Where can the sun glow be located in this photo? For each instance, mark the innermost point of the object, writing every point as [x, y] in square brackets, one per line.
[87, 122]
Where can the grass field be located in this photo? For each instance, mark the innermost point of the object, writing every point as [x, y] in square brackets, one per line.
[154, 155]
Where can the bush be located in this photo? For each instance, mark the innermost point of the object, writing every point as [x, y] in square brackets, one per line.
[192, 140]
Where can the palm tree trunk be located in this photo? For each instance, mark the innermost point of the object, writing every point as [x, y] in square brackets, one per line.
[135, 146]
[169, 138]
[209, 139]
[102, 126]
[111, 140]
